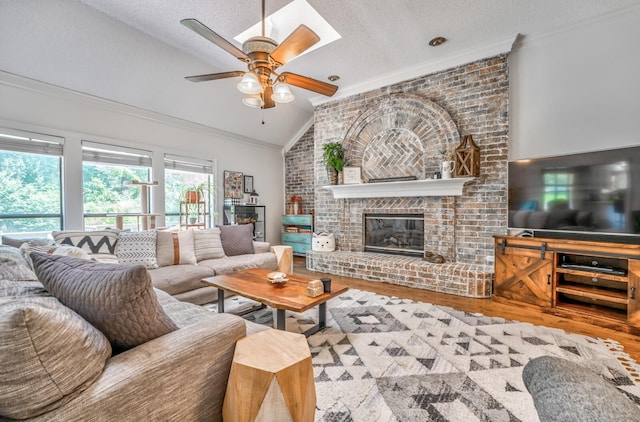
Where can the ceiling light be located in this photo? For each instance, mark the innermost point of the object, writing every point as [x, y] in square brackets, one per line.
[253, 100]
[282, 93]
[249, 84]
[333, 78]
[437, 41]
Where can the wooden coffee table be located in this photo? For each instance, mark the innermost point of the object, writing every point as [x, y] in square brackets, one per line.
[290, 296]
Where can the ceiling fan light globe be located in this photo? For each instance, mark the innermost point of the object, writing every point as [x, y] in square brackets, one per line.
[249, 84]
[253, 100]
[282, 93]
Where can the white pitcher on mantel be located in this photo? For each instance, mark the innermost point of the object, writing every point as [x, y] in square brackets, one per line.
[447, 169]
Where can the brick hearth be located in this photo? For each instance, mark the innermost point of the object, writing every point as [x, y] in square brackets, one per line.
[472, 280]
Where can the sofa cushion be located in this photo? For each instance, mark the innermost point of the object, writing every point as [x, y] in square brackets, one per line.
[179, 278]
[138, 248]
[537, 220]
[237, 239]
[182, 313]
[174, 248]
[13, 266]
[207, 244]
[520, 219]
[48, 355]
[565, 391]
[230, 264]
[117, 299]
[101, 244]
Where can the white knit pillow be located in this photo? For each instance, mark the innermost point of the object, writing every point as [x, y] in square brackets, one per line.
[207, 244]
[138, 248]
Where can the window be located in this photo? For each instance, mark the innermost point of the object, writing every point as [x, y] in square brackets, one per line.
[30, 192]
[180, 173]
[105, 171]
[558, 187]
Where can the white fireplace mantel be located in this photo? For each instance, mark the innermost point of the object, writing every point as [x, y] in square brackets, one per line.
[426, 187]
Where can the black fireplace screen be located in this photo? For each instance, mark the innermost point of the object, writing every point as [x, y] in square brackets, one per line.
[401, 234]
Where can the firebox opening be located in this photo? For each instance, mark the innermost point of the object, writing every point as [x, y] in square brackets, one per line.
[399, 234]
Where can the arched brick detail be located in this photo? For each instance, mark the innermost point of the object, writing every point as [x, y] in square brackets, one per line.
[401, 135]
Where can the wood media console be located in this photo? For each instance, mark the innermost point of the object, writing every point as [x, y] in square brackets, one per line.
[592, 281]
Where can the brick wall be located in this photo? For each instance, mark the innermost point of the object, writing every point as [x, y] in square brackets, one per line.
[475, 97]
[299, 177]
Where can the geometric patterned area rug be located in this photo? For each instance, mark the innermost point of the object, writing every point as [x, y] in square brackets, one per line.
[388, 359]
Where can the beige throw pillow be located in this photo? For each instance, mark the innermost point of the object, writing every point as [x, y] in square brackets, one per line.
[116, 299]
[207, 244]
[173, 248]
[48, 355]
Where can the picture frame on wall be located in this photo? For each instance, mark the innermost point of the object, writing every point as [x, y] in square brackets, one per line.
[232, 184]
[248, 184]
[351, 175]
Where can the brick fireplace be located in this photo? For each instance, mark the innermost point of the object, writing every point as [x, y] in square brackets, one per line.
[399, 131]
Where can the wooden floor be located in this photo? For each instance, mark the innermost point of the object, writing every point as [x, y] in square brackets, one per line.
[487, 307]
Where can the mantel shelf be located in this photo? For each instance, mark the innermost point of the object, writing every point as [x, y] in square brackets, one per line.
[426, 187]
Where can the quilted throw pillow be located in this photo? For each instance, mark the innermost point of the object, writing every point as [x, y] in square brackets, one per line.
[174, 248]
[100, 243]
[48, 355]
[237, 240]
[138, 248]
[116, 299]
[207, 244]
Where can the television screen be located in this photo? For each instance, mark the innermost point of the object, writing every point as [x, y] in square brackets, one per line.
[578, 196]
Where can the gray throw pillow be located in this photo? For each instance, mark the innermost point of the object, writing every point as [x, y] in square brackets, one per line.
[117, 299]
[13, 266]
[33, 241]
[237, 240]
[48, 355]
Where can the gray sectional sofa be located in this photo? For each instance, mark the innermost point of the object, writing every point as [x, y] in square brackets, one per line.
[57, 359]
[176, 261]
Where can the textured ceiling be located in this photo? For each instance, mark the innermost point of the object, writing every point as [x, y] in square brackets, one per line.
[380, 39]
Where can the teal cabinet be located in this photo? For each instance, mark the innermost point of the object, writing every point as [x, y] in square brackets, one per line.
[297, 232]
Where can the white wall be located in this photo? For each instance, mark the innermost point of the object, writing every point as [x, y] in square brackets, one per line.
[578, 89]
[39, 107]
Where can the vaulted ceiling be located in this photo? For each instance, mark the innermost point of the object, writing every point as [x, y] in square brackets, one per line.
[138, 53]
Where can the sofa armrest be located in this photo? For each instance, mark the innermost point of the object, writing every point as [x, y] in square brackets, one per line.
[179, 376]
[261, 247]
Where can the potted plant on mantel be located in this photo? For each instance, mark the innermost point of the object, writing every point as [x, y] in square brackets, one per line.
[333, 158]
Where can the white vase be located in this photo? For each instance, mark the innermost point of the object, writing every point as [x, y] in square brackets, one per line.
[447, 169]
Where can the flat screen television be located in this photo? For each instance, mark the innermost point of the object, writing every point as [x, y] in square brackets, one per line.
[589, 196]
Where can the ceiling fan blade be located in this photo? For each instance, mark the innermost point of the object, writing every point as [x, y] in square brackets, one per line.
[298, 41]
[214, 76]
[266, 97]
[309, 83]
[203, 30]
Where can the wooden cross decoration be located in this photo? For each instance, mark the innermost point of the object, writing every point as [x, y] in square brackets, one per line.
[467, 158]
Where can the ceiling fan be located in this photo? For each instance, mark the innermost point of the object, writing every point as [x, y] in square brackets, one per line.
[262, 84]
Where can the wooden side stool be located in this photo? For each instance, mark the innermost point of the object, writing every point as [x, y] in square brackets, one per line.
[271, 379]
[285, 258]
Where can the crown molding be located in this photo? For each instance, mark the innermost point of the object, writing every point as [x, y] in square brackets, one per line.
[625, 13]
[39, 87]
[447, 62]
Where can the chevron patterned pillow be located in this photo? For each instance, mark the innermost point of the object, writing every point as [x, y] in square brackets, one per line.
[138, 248]
[99, 243]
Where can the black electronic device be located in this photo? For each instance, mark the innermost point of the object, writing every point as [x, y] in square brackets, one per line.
[588, 196]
